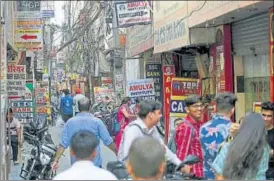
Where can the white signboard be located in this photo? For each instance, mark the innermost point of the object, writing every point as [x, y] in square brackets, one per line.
[132, 13]
[142, 88]
[29, 36]
[16, 81]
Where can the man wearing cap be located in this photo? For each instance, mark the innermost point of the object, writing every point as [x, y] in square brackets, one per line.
[76, 99]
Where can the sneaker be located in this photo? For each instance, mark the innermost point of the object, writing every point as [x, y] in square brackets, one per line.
[16, 163]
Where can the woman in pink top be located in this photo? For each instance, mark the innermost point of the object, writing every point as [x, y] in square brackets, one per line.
[124, 116]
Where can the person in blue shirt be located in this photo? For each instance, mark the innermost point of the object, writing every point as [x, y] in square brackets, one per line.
[84, 121]
[215, 132]
[66, 106]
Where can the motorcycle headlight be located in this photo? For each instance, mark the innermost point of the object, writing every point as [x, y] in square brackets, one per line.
[45, 159]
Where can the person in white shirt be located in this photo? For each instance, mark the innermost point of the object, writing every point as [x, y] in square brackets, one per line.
[83, 147]
[14, 129]
[145, 125]
[76, 99]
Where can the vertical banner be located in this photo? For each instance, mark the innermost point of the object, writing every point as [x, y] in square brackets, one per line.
[271, 52]
[154, 71]
[168, 74]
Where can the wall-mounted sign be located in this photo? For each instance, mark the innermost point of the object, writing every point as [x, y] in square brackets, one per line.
[154, 71]
[180, 89]
[28, 9]
[47, 13]
[133, 13]
[23, 110]
[142, 88]
[16, 81]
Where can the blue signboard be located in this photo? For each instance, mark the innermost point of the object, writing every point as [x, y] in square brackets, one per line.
[47, 13]
[177, 106]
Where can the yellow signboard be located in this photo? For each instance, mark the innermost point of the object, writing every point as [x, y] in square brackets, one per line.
[28, 31]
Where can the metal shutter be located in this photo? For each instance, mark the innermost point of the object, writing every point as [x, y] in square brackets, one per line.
[251, 32]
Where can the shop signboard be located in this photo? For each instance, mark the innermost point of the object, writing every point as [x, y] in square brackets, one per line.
[47, 13]
[180, 89]
[170, 25]
[23, 110]
[16, 81]
[139, 40]
[101, 92]
[168, 74]
[133, 13]
[141, 88]
[106, 82]
[154, 71]
[28, 9]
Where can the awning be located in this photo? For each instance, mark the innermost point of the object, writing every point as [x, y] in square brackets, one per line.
[11, 52]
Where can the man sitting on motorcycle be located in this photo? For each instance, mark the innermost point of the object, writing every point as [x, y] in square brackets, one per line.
[146, 159]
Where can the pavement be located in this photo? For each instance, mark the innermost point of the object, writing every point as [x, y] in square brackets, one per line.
[64, 162]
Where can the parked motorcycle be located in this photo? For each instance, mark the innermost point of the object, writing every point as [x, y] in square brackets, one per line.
[38, 165]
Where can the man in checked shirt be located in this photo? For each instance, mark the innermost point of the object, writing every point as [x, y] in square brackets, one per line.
[187, 133]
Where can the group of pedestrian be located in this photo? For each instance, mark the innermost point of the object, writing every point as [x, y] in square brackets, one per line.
[227, 150]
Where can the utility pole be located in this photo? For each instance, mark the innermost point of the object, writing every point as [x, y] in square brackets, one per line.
[116, 44]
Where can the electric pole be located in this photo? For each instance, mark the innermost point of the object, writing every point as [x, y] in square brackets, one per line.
[116, 44]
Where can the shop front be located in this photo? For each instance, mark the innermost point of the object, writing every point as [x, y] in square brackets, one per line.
[251, 44]
[183, 53]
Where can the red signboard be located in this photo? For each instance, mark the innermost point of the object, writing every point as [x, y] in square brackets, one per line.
[168, 74]
[184, 86]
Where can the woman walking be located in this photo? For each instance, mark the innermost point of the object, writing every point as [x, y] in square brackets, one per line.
[124, 116]
[246, 156]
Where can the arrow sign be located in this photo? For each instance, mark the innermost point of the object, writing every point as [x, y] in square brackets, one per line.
[28, 37]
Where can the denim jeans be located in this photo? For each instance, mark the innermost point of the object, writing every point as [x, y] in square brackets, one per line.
[14, 145]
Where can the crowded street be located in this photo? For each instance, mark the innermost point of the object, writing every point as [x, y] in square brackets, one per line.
[136, 90]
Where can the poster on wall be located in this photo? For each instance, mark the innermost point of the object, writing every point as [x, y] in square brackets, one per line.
[168, 74]
[106, 82]
[141, 88]
[154, 70]
[16, 81]
[101, 92]
[133, 13]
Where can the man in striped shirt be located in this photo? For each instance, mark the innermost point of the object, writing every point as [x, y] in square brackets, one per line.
[187, 133]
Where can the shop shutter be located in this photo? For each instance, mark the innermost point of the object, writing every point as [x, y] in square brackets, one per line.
[251, 33]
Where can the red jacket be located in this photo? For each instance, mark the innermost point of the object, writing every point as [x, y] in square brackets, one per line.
[188, 143]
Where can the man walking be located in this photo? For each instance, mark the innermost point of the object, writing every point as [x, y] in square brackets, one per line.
[83, 148]
[84, 121]
[216, 131]
[76, 99]
[66, 108]
[187, 133]
[145, 125]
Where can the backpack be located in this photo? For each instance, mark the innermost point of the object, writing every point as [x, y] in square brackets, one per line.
[112, 123]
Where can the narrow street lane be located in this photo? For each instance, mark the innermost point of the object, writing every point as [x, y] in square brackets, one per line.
[64, 163]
